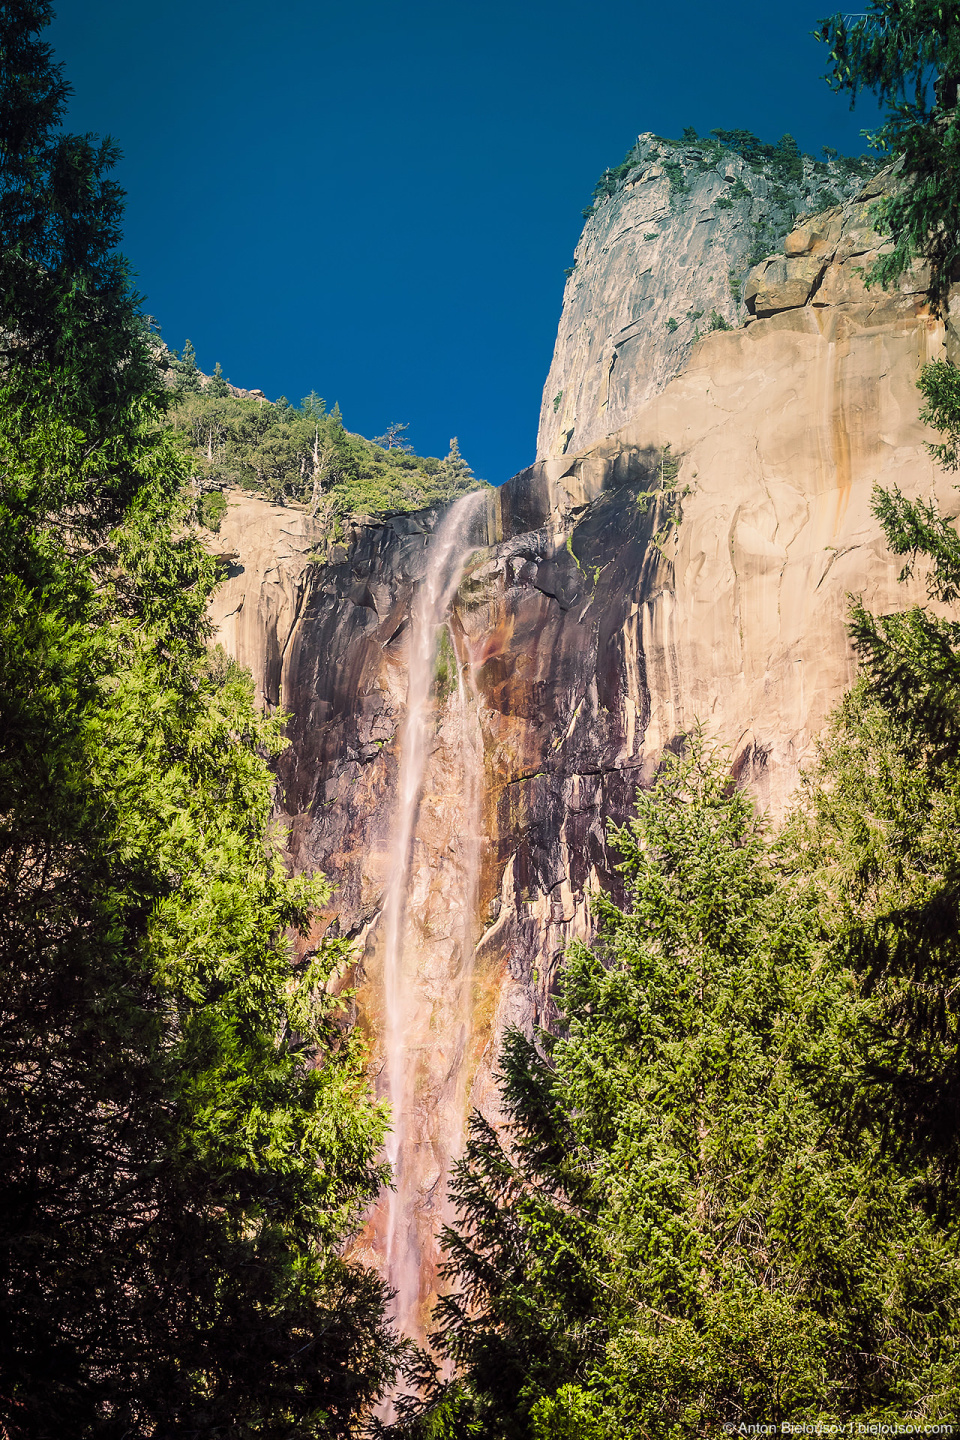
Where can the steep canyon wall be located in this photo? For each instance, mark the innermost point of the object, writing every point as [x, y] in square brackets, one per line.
[694, 564]
[660, 260]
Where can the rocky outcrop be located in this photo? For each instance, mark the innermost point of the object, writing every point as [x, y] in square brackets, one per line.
[826, 261]
[265, 554]
[658, 262]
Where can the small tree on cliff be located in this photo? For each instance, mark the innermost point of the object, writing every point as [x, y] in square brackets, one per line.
[187, 371]
[455, 476]
[218, 386]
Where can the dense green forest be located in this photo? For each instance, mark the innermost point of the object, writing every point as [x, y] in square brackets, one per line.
[296, 453]
[728, 1192]
[187, 1139]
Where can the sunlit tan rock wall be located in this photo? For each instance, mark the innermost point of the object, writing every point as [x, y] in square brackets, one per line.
[655, 262]
[597, 620]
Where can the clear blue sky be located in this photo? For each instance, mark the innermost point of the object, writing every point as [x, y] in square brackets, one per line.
[377, 200]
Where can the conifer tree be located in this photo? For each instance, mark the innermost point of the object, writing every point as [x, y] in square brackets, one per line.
[522, 1314]
[186, 1138]
[691, 1223]
[187, 371]
[455, 476]
[888, 822]
[60, 212]
[218, 386]
[908, 53]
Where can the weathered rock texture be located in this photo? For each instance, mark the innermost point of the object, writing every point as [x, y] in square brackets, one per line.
[264, 552]
[670, 249]
[612, 599]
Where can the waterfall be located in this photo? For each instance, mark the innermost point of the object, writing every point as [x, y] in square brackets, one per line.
[408, 1011]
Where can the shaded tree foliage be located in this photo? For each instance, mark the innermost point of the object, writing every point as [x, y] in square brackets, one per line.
[907, 52]
[695, 1218]
[186, 1137]
[888, 805]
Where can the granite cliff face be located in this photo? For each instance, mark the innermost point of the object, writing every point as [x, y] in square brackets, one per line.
[656, 261]
[693, 565]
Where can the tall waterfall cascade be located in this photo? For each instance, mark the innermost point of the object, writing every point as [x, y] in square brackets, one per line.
[419, 1075]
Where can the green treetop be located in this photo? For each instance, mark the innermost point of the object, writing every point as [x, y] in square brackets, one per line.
[217, 385]
[693, 1217]
[188, 375]
[454, 475]
[186, 1138]
[305, 455]
[908, 53]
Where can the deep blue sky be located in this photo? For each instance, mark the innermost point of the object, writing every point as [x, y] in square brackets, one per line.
[377, 200]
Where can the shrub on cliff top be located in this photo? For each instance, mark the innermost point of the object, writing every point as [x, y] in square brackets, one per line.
[783, 162]
[302, 453]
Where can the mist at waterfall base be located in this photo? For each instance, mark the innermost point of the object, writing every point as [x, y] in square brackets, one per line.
[378, 201]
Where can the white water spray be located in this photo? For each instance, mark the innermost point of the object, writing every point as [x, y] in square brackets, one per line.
[446, 557]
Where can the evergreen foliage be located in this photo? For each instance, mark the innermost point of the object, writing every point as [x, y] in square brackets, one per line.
[786, 184]
[782, 162]
[217, 385]
[888, 807]
[908, 53]
[303, 454]
[189, 375]
[186, 1137]
[454, 472]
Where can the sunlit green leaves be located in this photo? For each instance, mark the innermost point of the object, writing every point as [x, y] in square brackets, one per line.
[908, 53]
[187, 1139]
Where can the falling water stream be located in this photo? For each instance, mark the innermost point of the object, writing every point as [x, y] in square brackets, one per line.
[446, 556]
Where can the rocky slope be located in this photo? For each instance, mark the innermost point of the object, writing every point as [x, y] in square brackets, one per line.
[694, 565]
[657, 260]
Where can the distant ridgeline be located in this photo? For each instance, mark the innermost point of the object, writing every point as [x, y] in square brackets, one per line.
[299, 454]
[797, 183]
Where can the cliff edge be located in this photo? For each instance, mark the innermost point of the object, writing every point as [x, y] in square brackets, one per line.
[661, 259]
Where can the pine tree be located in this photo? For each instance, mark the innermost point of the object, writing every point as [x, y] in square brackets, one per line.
[908, 53]
[454, 476]
[188, 374]
[522, 1311]
[394, 438]
[313, 406]
[888, 808]
[186, 1138]
[692, 1225]
[218, 386]
[787, 160]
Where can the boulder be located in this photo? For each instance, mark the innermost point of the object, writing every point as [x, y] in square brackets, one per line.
[781, 284]
[817, 235]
